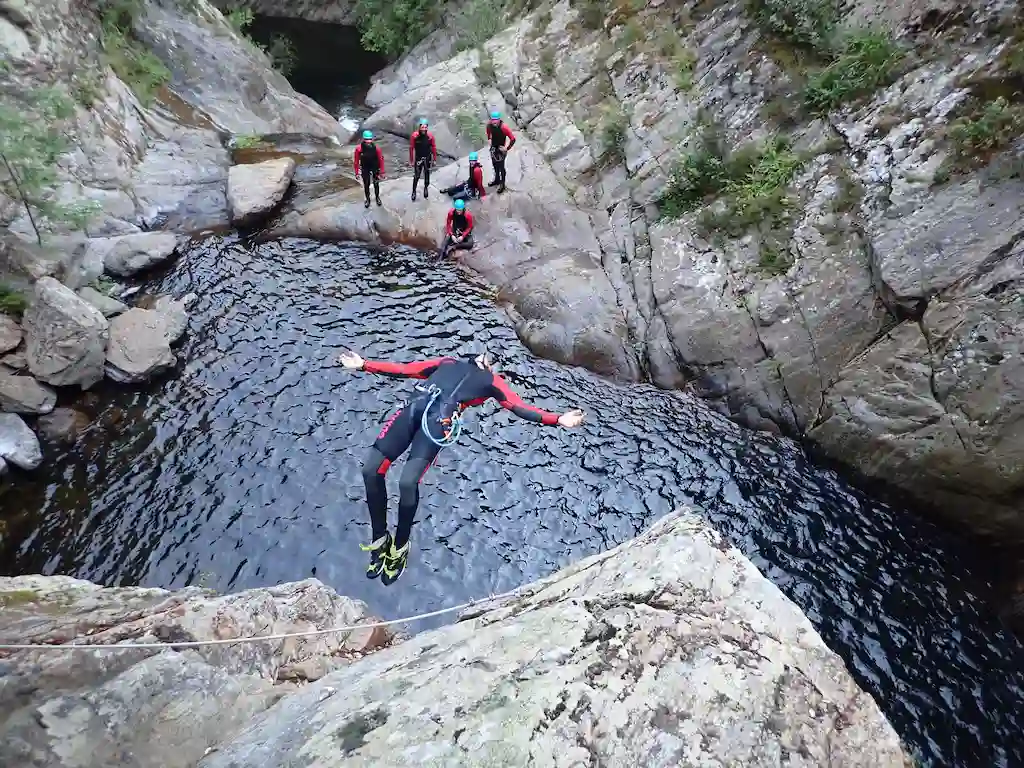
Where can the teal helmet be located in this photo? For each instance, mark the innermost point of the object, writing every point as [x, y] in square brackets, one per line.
[495, 115]
[423, 122]
[460, 205]
[472, 157]
[368, 135]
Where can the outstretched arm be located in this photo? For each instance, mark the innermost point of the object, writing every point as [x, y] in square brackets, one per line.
[420, 369]
[511, 401]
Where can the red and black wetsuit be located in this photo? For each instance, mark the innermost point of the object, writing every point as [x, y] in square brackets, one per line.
[473, 187]
[449, 386]
[370, 160]
[422, 153]
[457, 224]
[497, 134]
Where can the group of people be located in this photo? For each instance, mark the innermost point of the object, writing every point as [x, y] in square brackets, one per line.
[431, 419]
[369, 165]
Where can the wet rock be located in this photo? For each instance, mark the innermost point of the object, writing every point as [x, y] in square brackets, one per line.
[672, 644]
[10, 333]
[130, 254]
[108, 305]
[18, 444]
[62, 425]
[23, 394]
[16, 361]
[65, 337]
[139, 346]
[175, 312]
[170, 707]
[256, 189]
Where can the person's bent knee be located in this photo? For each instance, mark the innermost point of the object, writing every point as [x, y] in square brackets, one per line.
[373, 463]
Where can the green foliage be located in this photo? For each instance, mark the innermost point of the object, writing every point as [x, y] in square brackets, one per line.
[989, 128]
[471, 125]
[282, 53]
[246, 141]
[32, 139]
[105, 285]
[805, 23]
[86, 86]
[752, 182]
[867, 60]
[240, 19]
[12, 302]
[477, 21]
[632, 34]
[546, 60]
[485, 71]
[391, 27]
[592, 12]
[774, 260]
[134, 64]
[614, 129]
[685, 60]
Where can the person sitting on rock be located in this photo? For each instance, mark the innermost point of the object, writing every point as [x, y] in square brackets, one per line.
[422, 154]
[370, 160]
[423, 426]
[501, 139]
[473, 187]
[458, 230]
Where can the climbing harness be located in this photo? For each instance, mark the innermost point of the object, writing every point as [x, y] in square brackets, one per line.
[453, 424]
[241, 640]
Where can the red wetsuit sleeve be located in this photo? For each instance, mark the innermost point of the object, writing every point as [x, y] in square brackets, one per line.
[380, 159]
[448, 223]
[355, 159]
[412, 148]
[421, 369]
[511, 401]
[478, 179]
[508, 132]
[469, 223]
[433, 146]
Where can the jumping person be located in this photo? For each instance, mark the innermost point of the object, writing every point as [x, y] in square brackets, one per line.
[473, 187]
[424, 425]
[422, 153]
[458, 230]
[501, 139]
[370, 160]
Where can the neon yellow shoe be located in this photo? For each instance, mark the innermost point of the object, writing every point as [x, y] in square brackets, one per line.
[395, 561]
[378, 550]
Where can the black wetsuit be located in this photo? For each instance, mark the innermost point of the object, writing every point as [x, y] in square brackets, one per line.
[497, 134]
[451, 385]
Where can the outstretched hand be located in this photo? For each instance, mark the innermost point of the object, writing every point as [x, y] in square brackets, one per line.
[571, 418]
[351, 360]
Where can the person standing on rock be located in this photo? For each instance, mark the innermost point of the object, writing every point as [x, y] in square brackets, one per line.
[422, 154]
[430, 421]
[471, 188]
[501, 140]
[458, 230]
[370, 160]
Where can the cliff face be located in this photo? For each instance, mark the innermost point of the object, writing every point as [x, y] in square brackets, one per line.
[815, 225]
[670, 649]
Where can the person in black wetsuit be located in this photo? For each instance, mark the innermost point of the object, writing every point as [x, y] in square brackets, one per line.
[501, 139]
[368, 160]
[473, 187]
[422, 426]
[422, 154]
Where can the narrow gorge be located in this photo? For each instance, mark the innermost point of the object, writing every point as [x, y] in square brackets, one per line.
[773, 251]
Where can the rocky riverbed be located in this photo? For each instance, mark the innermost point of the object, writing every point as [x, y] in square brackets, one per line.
[670, 648]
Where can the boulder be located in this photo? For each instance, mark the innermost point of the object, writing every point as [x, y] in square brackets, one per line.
[175, 312]
[256, 189]
[10, 333]
[108, 305]
[165, 709]
[668, 650]
[65, 337]
[139, 346]
[128, 255]
[18, 444]
[23, 394]
[62, 425]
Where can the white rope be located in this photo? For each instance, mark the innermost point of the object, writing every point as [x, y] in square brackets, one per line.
[237, 640]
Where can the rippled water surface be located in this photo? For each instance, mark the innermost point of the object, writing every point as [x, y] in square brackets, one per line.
[242, 470]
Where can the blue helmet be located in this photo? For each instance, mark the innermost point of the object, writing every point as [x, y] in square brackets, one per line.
[495, 115]
[472, 157]
[368, 135]
[423, 121]
[460, 205]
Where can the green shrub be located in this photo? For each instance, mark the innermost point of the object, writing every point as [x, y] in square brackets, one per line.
[485, 71]
[246, 141]
[685, 60]
[592, 12]
[282, 53]
[546, 60]
[774, 260]
[240, 19]
[614, 129]
[866, 61]
[144, 73]
[805, 23]
[12, 302]
[33, 136]
[471, 125]
[632, 34]
[391, 27]
[990, 127]
[477, 21]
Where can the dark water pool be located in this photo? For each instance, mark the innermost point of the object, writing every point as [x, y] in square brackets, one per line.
[243, 470]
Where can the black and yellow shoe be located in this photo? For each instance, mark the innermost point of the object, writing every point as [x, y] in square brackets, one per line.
[378, 550]
[395, 561]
